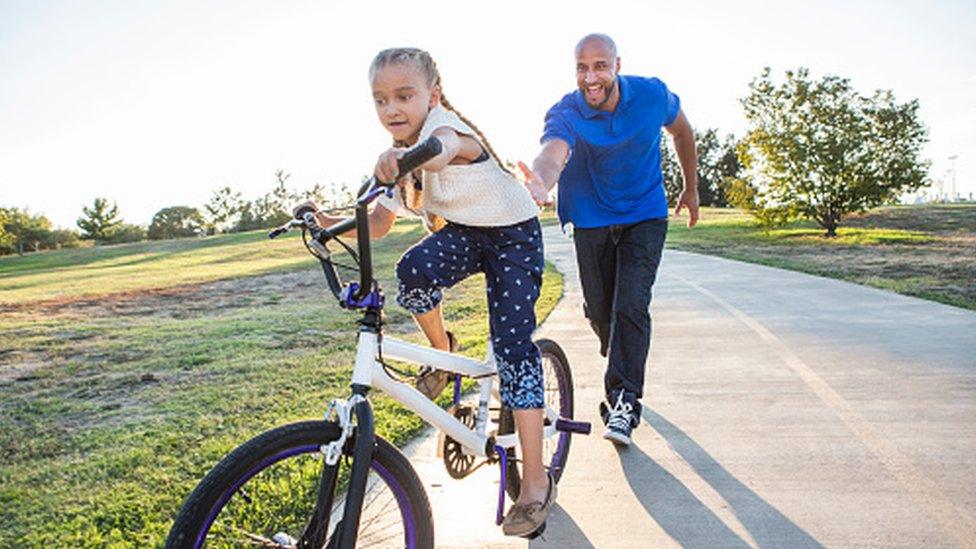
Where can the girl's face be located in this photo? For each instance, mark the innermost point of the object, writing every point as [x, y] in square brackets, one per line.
[402, 99]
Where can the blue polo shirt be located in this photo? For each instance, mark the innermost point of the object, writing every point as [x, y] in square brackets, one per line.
[613, 175]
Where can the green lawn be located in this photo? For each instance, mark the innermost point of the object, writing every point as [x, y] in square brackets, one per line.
[924, 251]
[130, 267]
[114, 406]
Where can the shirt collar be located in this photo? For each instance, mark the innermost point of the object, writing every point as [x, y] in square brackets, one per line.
[589, 112]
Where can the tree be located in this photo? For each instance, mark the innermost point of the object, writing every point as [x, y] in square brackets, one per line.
[23, 231]
[61, 238]
[126, 232]
[99, 220]
[176, 222]
[275, 208]
[717, 162]
[222, 209]
[820, 150]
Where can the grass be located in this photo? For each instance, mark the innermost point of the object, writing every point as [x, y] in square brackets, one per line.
[923, 251]
[114, 406]
[133, 267]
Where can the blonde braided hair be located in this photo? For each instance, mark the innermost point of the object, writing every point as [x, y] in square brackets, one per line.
[412, 198]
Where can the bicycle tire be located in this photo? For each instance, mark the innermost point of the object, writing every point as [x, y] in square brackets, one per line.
[393, 484]
[554, 364]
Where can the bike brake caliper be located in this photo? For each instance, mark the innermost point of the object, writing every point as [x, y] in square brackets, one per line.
[343, 414]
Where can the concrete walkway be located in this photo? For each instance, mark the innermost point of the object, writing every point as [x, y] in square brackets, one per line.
[781, 410]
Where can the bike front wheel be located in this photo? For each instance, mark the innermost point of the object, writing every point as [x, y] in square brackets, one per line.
[277, 491]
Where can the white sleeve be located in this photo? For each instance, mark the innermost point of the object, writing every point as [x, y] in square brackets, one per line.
[390, 203]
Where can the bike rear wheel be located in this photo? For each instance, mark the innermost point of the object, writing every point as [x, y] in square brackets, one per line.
[558, 392]
[269, 487]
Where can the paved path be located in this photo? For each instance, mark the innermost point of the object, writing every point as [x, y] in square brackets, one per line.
[781, 410]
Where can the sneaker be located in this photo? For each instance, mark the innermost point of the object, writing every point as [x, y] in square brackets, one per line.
[431, 381]
[620, 420]
[529, 519]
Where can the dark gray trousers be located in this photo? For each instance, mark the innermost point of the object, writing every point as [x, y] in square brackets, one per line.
[617, 267]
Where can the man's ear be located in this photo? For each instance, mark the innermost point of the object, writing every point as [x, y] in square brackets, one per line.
[618, 65]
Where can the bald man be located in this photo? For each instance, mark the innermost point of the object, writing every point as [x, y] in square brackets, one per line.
[601, 143]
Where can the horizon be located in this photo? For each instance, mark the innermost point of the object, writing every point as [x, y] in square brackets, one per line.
[153, 106]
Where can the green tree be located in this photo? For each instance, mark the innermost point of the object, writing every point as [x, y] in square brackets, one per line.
[275, 208]
[98, 220]
[820, 150]
[6, 239]
[717, 162]
[61, 238]
[23, 231]
[176, 222]
[126, 232]
[222, 210]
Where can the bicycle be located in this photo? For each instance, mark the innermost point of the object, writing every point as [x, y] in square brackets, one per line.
[282, 488]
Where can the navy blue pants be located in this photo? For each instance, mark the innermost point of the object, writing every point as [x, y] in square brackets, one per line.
[617, 267]
[511, 258]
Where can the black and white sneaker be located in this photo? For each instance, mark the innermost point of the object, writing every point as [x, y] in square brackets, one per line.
[620, 419]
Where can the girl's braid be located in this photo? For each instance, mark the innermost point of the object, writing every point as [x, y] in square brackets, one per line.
[428, 67]
[411, 197]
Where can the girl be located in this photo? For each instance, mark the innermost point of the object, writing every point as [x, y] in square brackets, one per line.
[481, 220]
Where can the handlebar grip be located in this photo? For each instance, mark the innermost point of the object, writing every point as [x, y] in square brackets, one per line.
[341, 227]
[277, 232]
[419, 154]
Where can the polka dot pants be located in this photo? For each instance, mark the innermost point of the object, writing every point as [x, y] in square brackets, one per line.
[512, 260]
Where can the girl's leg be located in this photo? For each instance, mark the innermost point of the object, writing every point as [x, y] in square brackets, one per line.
[432, 324]
[535, 481]
[513, 272]
[438, 261]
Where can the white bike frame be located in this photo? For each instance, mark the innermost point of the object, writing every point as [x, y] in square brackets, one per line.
[368, 371]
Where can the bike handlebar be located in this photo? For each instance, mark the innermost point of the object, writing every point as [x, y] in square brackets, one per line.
[410, 161]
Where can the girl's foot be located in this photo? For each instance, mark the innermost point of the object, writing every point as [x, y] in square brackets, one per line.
[431, 381]
[523, 519]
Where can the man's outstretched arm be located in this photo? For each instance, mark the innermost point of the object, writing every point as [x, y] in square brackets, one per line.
[546, 167]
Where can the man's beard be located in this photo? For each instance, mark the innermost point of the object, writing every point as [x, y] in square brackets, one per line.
[607, 93]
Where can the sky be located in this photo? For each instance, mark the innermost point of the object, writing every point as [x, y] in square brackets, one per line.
[156, 104]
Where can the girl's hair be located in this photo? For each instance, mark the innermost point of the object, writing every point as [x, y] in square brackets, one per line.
[428, 69]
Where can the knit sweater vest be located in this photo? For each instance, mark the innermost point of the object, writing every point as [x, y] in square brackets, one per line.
[479, 195]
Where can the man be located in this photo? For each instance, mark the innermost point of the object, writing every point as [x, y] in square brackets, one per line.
[602, 144]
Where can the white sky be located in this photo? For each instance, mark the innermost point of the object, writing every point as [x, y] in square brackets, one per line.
[154, 104]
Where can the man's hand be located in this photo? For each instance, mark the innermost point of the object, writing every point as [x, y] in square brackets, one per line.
[688, 199]
[535, 185]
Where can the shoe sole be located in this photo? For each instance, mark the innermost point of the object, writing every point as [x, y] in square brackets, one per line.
[617, 438]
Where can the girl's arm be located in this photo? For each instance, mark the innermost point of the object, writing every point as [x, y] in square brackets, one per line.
[380, 220]
[455, 149]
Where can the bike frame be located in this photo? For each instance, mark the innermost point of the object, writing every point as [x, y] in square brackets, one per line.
[369, 372]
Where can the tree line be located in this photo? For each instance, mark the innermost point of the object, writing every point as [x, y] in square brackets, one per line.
[226, 211]
[814, 149]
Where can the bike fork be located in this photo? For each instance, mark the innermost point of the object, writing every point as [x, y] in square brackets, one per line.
[365, 444]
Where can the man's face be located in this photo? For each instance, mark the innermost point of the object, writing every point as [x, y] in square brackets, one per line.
[596, 74]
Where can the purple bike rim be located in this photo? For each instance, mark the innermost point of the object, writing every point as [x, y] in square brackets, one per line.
[398, 492]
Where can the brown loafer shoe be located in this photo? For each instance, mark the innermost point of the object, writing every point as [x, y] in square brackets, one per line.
[431, 381]
[525, 519]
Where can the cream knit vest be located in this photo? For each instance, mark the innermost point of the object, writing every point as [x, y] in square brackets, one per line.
[480, 195]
